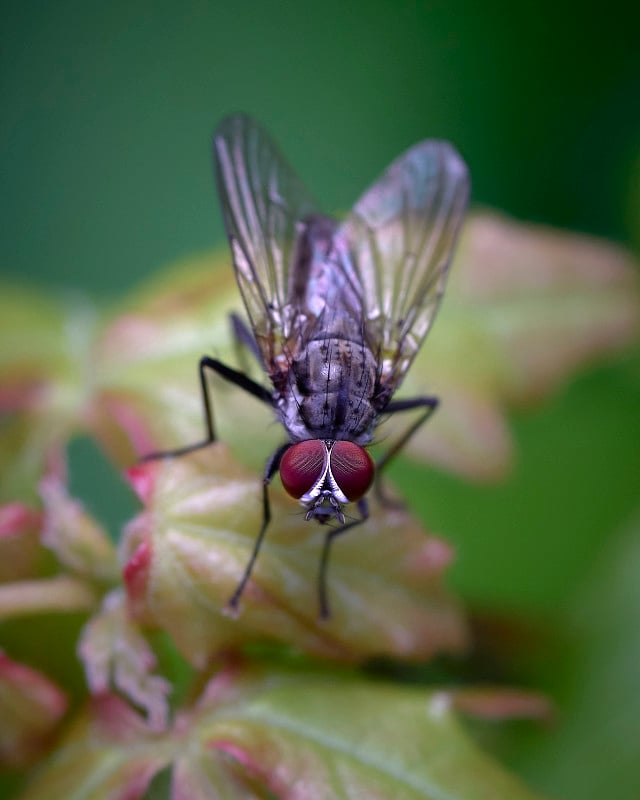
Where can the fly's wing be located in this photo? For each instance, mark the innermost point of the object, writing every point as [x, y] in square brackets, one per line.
[263, 203]
[401, 235]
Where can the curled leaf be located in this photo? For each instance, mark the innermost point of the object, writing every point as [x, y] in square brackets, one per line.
[187, 551]
[117, 657]
[80, 547]
[108, 752]
[74, 536]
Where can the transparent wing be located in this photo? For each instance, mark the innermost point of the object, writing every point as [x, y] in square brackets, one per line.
[401, 235]
[263, 202]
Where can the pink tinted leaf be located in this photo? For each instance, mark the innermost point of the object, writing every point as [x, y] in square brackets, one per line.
[64, 370]
[554, 301]
[148, 354]
[303, 736]
[468, 435]
[31, 707]
[117, 657]
[527, 307]
[187, 551]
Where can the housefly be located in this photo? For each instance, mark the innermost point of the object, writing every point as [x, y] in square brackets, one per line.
[337, 313]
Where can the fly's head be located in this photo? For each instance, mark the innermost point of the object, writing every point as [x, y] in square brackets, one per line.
[324, 475]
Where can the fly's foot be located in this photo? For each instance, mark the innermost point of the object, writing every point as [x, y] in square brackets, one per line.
[232, 608]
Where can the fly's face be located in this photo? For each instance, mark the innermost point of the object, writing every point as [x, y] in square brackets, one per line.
[324, 475]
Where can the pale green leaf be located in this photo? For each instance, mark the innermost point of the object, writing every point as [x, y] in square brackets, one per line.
[187, 551]
[295, 736]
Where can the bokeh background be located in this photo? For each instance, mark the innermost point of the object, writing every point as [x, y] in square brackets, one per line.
[107, 112]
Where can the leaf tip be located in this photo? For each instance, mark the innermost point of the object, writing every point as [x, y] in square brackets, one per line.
[142, 476]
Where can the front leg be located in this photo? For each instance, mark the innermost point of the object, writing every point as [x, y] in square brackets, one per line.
[363, 508]
[229, 374]
[271, 467]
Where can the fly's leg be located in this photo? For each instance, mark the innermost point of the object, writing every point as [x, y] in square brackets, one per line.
[429, 404]
[271, 467]
[233, 376]
[363, 508]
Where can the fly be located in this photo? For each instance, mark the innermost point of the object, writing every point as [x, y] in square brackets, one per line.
[337, 313]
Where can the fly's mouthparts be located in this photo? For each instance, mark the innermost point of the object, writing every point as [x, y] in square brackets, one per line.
[324, 508]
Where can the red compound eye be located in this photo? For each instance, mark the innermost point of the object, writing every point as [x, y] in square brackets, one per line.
[302, 465]
[353, 469]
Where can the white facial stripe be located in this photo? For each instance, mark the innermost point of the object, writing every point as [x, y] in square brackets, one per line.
[333, 483]
[315, 490]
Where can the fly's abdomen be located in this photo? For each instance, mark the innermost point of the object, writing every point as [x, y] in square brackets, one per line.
[330, 390]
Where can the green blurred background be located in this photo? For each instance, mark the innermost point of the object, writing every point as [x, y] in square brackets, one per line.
[107, 111]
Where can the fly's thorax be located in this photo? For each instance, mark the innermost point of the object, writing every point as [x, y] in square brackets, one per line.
[329, 391]
[324, 474]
